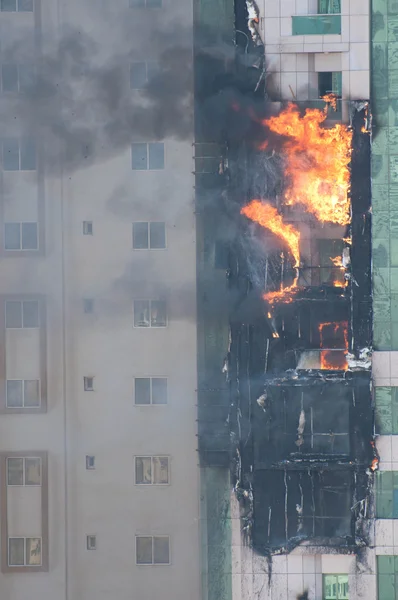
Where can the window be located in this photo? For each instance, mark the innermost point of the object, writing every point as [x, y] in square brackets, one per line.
[147, 156]
[90, 463]
[22, 314]
[386, 399]
[23, 471]
[330, 83]
[23, 393]
[387, 495]
[88, 384]
[20, 236]
[88, 305]
[152, 470]
[152, 550]
[19, 155]
[326, 7]
[87, 228]
[145, 3]
[141, 73]
[335, 587]
[150, 390]
[91, 542]
[24, 552]
[149, 235]
[387, 583]
[150, 313]
[329, 249]
[221, 255]
[17, 78]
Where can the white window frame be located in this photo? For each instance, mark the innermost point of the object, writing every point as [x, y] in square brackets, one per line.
[150, 391]
[149, 247]
[152, 564]
[22, 313]
[23, 395]
[86, 381]
[20, 223]
[89, 538]
[150, 326]
[152, 458]
[147, 156]
[24, 484]
[18, 537]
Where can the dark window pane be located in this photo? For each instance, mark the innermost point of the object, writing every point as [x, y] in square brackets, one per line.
[325, 83]
[15, 471]
[161, 551]
[28, 155]
[14, 393]
[159, 390]
[16, 549]
[30, 313]
[31, 393]
[29, 236]
[137, 3]
[221, 257]
[10, 155]
[157, 232]
[142, 390]
[9, 5]
[139, 157]
[26, 77]
[25, 5]
[144, 550]
[12, 236]
[141, 313]
[140, 236]
[138, 77]
[90, 462]
[158, 313]
[153, 69]
[13, 314]
[9, 78]
[154, 3]
[143, 470]
[156, 156]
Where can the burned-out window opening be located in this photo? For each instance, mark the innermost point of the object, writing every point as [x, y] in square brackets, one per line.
[150, 313]
[147, 156]
[335, 587]
[150, 390]
[21, 236]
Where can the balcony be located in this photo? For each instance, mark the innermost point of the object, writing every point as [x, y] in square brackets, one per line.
[316, 24]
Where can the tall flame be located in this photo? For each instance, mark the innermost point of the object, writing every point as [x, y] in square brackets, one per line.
[335, 357]
[317, 162]
[268, 217]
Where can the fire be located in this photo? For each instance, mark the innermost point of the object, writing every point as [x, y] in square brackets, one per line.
[337, 261]
[334, 358]
[285, 294]
[268, 217]
[340, 284]
[374, 465]
[317, 162]
[348, 240]
[331, 99]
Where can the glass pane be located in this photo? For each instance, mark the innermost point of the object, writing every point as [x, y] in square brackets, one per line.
[27, 77]
[328, 6]
[16, 552]
[14, 393]
[15, 471]
[140, 236]
[33, 551]
[25, 5]
[157, 232]
[384, 495]
[143, 470]
[12, 236]
[154, 3]
[9, 78]
[13, 314]
[337, 83]
[32, 471]
[316, 25]
[330, 587]
[141, 313]
[139, 157]
[156, 156]
[394, 403]
[383, 412]
[137, 3]
[159, 390]
[342, 587]
[385, 564]
[10, 155]
[28, 155]
[30, 313]
[29, 236]
[153, 69]
[144, 550]
[158, 313]
[160, 469]
[386, 587]
[142, 390]
[8, 5]
[138, 78]
[161, 551]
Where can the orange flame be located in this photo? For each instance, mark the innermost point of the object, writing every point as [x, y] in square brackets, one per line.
[334, 359]
[374, 465]
[317, 162]
[285, 294]
[337, 261]
[340, 284]
[268, 217]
